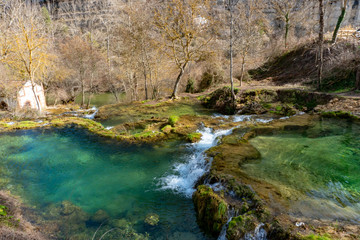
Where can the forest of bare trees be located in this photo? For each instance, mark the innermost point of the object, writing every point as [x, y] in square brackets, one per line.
[143, 49]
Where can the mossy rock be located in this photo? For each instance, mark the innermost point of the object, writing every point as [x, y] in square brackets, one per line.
[230, 155]
[211, 210]
[194, 137]
[240, 225]
[120, 223]
[173, 120]
[221, 101]
[339, 114]
[99, 217]
[167, 129]
[152, 219]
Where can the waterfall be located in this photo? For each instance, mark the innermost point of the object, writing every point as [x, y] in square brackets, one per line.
[258, 234]
[222, 235]
[92, 116]
[184, 176]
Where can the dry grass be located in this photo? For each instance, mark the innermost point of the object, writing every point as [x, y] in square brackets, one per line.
[18, 228]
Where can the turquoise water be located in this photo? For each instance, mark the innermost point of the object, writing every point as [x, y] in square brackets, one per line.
[48, 167]
[317, 169]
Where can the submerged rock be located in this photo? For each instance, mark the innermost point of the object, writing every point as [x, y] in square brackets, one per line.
[182, 236]
[99, 217]
[152, 219]
[120, 223]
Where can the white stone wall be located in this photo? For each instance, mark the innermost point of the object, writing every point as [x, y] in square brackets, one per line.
[26, 96]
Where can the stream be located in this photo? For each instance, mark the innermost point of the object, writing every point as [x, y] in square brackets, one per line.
[85, 183]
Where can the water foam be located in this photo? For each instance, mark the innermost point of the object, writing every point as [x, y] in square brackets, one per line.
[92, 116]
[184, 175]
[258, 234]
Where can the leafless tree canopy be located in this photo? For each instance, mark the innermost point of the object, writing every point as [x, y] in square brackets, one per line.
[142, 49]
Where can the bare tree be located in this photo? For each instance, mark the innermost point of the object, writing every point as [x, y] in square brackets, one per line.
[321, 44]
[230, 6]
[357, 81]
[28, 52]
[84, 60]
[344, 4]
[290, 12]
[250, 29]
[184, 26]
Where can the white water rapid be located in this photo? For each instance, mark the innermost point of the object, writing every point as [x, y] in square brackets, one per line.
[184, 176]
[92, 116]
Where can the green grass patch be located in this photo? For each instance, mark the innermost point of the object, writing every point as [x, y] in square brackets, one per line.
[339, 114]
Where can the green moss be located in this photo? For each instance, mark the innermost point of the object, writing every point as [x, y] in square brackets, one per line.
[147, 134]
[221, 100]
[240, 225]
[339, 114]
[194, 137]
[190, 88]
[211, 209]
[125, 113]
[6, 219]
[316, 237]
[3, 211]
[173, 120]
[267, 105]
[340, 80]
[167, 129]
[152, 219]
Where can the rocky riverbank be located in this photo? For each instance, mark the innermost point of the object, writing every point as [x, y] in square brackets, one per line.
[246, 206]
[228, 201]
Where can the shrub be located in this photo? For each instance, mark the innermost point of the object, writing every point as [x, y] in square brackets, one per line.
[209, 78]
[190, 86]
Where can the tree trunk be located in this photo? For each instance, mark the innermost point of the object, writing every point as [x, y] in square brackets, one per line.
[146, 87]
[82, 93]
[357, 83]
[113, 88]
[287, 27]
[338, 25]
[321, 44]
[242, 70]
[143, 57]
[177, 82]
[114, 92]
[231, 54]
[89, 100]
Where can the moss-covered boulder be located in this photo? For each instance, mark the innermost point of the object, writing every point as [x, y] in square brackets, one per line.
[221, 101]
[99, 217]
[194, 137]
[240, 225]
[211, 210]
[152, 219]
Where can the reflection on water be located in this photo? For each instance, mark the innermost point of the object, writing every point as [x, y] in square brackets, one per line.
[317, 169]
